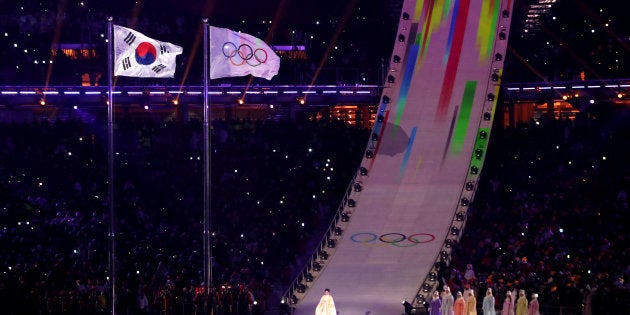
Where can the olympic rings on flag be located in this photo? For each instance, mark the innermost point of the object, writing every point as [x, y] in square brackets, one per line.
[395, 239]
[243, 54]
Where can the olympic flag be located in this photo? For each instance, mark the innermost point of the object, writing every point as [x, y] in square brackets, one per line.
[137, 55]
[234, 54]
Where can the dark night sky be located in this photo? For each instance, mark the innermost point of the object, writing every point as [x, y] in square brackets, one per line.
[575, 35]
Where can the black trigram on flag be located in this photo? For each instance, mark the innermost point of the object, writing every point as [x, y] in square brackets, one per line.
[130, 38]
[137, 55]
[158, 68]
[126, 63]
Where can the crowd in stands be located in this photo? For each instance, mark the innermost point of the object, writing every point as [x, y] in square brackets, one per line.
[550, 217]
[270, 192]
[552, 225]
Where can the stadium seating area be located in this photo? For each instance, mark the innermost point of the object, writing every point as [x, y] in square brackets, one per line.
[270, 195]
[550, 216]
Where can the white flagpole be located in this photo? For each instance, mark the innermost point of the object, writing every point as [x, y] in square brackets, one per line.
[207, 143]
[110, 162]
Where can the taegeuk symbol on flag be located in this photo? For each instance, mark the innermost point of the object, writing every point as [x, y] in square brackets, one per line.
[137, 55]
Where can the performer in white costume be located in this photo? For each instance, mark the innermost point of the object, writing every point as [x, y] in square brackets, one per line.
[326, 305]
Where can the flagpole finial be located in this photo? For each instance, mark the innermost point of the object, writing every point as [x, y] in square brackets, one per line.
[205, 20]
[110, 18]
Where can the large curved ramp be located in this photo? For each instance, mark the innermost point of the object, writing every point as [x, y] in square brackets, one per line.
[427, 146]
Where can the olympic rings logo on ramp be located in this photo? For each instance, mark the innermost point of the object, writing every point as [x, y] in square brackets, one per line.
[244, 54]
[394, 239]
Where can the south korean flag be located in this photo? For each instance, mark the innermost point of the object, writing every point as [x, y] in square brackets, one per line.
[137, 55]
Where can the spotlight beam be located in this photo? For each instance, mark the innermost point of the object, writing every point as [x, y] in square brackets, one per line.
[340, 27]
